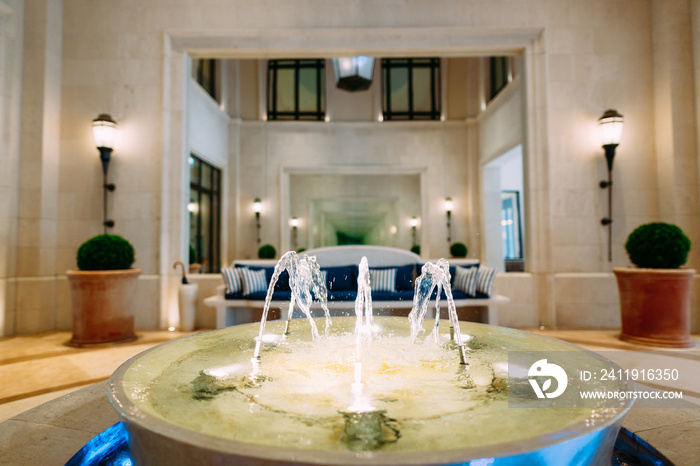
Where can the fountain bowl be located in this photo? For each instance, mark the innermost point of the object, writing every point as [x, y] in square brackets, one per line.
[154, 438]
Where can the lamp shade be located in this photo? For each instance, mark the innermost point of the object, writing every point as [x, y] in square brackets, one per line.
[353, 73]
[294, 222]
[104, 130]
[257, 205]
[610, 125]
[414, 222]
[448, 204]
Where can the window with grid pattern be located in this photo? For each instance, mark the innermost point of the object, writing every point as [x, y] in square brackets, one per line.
[296, 90]
[411, 88]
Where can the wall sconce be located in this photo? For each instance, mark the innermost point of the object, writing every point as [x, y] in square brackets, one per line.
[448, 210]
[257, 208]
[104, 130]
[294, 222]
[610, 125]
[414, 225]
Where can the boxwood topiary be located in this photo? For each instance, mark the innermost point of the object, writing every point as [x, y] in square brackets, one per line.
[267, 251]
[658, 245]
[458, 250]
[193, 255]
[415, 249]
[105, 252]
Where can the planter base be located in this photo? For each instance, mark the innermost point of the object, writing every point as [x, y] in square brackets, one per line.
[102, 304]
[655, 306]
[679, 343]
[100, 344]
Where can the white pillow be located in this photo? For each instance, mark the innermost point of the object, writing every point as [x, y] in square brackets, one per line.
[382, 279]
[465, 279]
[484, 282]
[232, 279]
[254, 281]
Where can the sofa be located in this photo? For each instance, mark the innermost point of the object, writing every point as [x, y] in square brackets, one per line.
[393, 272]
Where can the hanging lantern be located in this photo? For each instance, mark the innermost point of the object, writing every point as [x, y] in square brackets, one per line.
[353, 73]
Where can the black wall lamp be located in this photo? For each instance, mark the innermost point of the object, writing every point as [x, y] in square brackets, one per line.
[257, 208]
[414, 226]
[448, 211]
[610, 125]
[104, 130]
[294, 222]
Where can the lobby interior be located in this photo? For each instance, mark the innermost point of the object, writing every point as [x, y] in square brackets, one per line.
[353, 170]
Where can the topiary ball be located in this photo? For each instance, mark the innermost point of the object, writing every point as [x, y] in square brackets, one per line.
[105, 252]
[415, 249]
[458, 250]
[658, 245]
[267, 251]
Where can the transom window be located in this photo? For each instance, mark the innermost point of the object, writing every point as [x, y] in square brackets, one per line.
[411, 88]
[500, 70]
[296, 90]
[205, 73]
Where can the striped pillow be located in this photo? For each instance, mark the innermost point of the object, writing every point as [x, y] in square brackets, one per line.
[232, 279]
[484, 282]
[465, 279]
[253, 281]
[382, 279]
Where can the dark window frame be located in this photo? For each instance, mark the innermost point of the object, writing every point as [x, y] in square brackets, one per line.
[206, 70]
[499, 71]
[213, 252]
[272, 92]
[433, 64]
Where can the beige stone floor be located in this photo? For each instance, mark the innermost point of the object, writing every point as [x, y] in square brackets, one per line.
[35, 369]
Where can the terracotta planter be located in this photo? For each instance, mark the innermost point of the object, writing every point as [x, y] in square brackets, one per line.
[655, 306]
[195, 268]
[102, 303]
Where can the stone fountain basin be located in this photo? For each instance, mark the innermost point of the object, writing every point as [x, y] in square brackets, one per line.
[284, 420]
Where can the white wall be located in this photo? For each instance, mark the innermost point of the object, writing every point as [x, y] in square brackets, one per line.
[579, 58]
[11, 46]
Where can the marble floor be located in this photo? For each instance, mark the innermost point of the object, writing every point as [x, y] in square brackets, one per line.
[35, 369]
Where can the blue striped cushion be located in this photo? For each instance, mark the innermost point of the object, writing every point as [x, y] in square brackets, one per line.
[253, 281]
[484, 282]
[382, 279]
[232, 279]
[465, 279]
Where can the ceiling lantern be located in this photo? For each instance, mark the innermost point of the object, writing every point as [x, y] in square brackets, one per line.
[353, 73]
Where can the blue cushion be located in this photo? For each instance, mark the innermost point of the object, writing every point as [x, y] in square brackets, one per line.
[392, 295]
[455, 295]
[344, 295]
[383, 279]
[404, 276]
[253, 281]
[277, 295]
[282, 283]
[341, 278]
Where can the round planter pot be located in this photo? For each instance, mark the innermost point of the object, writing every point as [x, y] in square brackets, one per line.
[655, 306]
[103, 306]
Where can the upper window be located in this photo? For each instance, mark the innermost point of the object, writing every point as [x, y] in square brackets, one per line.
[296, 90]
[500, 71]
[205, 74]
[411, 88]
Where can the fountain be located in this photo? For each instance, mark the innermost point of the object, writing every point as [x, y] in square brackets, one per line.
[369, 391]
